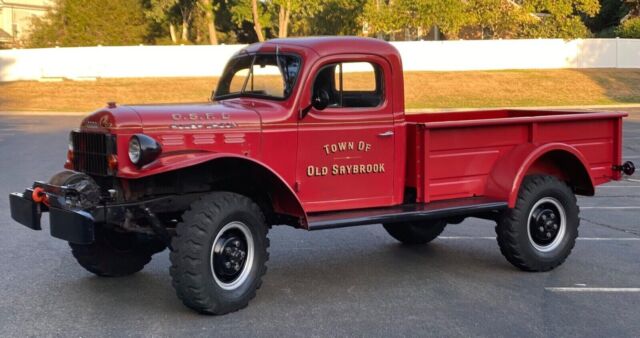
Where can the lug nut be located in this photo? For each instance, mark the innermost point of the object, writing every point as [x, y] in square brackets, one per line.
[548, 235]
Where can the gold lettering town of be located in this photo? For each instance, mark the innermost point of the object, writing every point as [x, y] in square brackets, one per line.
[346, 146]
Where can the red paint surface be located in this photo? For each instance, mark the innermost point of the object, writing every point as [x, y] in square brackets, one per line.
[443, 156]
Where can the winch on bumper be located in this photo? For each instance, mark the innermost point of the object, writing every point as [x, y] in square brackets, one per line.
[79, 205]
[66, 222]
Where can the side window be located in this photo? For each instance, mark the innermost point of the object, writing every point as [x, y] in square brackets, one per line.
[351, 84]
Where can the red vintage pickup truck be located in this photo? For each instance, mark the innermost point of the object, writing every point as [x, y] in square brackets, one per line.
[312, 133]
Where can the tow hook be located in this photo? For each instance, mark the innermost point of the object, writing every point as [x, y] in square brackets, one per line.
[40, 196]
[627, 168]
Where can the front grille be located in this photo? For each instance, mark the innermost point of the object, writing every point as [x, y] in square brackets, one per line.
[90, 152]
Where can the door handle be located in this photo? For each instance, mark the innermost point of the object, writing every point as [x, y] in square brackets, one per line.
[386, 133]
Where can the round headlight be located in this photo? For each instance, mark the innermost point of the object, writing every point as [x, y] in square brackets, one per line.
[135, 151]
[143, 149]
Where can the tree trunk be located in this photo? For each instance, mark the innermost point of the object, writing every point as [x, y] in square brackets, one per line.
[211, 21]
[256, 20]
[283, 20]
[185, 29]
[281, 27]
[172, 31]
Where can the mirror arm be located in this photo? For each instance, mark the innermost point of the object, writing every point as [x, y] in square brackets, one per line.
[305, 111]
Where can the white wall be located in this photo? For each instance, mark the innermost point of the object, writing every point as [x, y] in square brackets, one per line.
[190, 61]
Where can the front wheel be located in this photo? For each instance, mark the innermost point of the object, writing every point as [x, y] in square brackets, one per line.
[540, 232]
[219, 253]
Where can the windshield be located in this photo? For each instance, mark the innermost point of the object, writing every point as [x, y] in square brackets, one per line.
[259, 75]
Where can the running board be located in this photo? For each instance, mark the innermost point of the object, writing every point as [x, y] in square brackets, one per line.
[405, 213]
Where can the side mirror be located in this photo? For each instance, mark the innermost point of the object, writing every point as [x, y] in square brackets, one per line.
[212, 98]
[320, 100]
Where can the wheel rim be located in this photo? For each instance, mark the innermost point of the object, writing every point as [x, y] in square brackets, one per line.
[547, 224]
[232, 255]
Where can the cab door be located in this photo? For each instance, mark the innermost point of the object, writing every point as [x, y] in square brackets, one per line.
[346, 138]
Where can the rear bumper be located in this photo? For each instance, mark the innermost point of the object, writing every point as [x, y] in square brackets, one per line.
[75, 226]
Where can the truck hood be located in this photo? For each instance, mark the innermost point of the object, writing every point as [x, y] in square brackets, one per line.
[200, 116]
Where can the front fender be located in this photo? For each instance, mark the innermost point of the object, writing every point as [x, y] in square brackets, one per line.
[509, 171]
[284, 198]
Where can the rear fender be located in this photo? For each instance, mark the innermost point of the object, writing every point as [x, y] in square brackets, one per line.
[556, 159]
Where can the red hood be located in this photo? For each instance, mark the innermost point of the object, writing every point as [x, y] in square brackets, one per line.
[154, 118]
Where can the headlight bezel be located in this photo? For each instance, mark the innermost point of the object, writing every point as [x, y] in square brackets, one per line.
[147, 148]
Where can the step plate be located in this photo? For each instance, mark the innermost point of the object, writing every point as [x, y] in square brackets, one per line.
[405, 213]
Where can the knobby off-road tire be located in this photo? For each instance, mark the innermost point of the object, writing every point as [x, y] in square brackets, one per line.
[540, 232]
[116, 254]
[113, 254]
[219, 253]
[416, 233]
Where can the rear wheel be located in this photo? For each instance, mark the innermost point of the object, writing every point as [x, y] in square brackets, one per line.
[219, 253]
[412, 233]
[540, 232]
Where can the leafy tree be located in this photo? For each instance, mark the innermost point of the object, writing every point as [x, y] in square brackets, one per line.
[209, 9]
[255, 14]
[611, 13]
[336, 17]
[270, 14]
[560, 18]
[492, 19]
[191, 15]
[163, 13]
[90, 22]
[174, 13]
[387, 17]
[252, 11]
[634, 8]
[296, 9]
[629, 29]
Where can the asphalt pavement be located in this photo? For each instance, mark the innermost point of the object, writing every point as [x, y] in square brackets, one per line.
[344, 282]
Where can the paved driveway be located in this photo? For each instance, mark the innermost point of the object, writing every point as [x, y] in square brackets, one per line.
[355, 281]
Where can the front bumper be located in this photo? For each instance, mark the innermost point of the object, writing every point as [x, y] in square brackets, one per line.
[75, 226]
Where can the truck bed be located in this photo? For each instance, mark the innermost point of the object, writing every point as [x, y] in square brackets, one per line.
[452, 155]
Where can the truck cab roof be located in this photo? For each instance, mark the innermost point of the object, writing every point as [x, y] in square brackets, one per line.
[328, 45]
